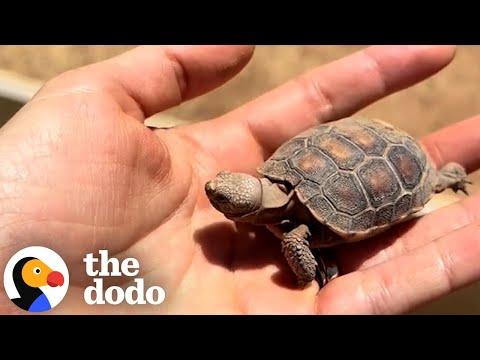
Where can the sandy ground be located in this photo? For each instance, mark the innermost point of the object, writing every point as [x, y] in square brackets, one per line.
[443, 99]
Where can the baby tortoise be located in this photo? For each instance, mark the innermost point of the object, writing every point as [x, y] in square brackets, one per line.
[338, 182]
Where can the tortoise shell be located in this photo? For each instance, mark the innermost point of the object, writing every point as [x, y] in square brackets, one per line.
[355, 175]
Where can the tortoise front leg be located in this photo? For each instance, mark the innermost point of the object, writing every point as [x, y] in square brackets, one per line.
[296, 249]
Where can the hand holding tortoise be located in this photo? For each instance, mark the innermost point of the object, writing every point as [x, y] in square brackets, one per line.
[343, 181]
[81, 172]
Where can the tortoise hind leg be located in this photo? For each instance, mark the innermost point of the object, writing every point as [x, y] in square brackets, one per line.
[452, 176]
[327, 268]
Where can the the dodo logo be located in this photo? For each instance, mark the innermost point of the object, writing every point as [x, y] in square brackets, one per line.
[36, 279]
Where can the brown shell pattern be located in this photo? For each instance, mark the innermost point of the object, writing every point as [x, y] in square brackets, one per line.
[355, 175]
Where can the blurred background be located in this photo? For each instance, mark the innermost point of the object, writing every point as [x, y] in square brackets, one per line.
[449, 96]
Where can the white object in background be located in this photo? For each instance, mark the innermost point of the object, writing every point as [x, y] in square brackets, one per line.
[164, 121]
[16, 87]
[20, 88]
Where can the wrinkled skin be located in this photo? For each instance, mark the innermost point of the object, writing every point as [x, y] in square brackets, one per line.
[234, 194]
[80, 172]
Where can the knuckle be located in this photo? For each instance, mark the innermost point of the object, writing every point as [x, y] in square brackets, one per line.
[316, 96]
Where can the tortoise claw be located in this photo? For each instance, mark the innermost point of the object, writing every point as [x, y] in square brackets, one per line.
[464, 190]
[461, 186]
[327, 269]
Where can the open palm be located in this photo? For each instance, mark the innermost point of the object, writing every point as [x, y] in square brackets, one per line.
[80, 172]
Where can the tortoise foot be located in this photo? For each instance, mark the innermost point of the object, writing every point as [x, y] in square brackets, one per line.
[327, 269]
[452, 176]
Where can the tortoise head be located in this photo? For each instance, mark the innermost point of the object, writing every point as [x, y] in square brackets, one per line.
[234, 194]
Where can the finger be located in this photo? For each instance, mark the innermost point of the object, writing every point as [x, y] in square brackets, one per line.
[149, 79]
[326, 93]
[459, 143]
[414, 279]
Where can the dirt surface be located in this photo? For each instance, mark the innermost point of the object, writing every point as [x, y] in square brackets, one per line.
[447, 97]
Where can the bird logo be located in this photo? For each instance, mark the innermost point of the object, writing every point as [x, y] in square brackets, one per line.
[36, 279]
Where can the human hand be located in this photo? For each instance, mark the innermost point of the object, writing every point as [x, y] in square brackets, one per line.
[80, 172]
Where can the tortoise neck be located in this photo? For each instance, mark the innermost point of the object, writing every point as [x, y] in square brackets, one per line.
[265, 216]
[275, 205]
